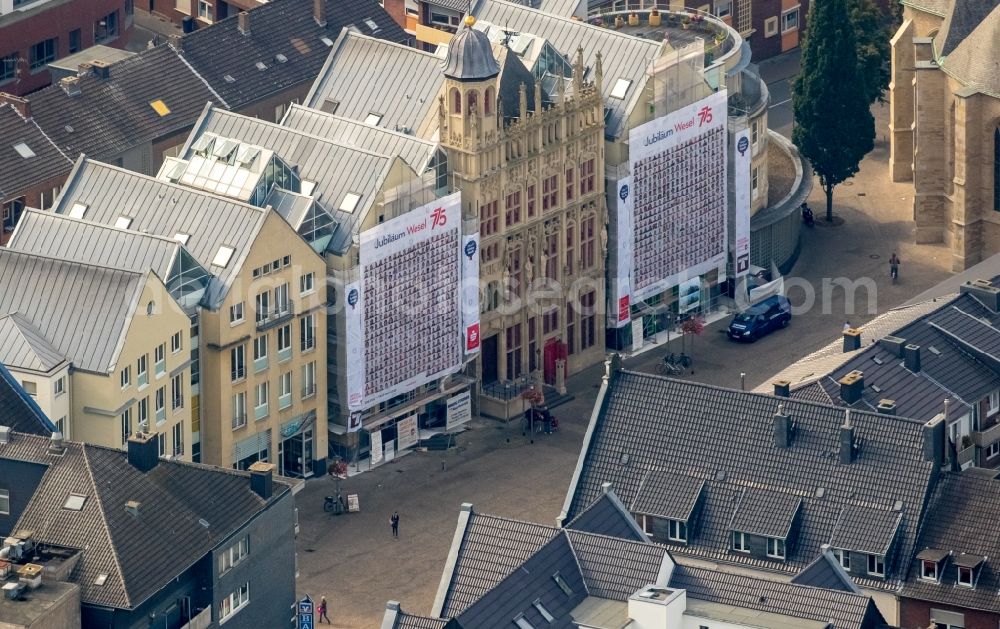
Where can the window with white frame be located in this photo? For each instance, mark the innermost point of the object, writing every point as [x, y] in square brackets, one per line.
[239, 410]
[723, 7]
[236, 314]
[876, 565]
[965, 576]
[126, 418]
[178, 439]
[143, 411]
[285, 390]
[262, 306]
[177, 392]
[125, 377]
[307, 283]
[159, 363]
[205, 10]
[160, 404]
[4, 502]
[771, 26]
[234, 554]
[260, 353]
[775, 547]
[175, 343]
[308, 380]
[31, 388]
[260, 408]
[993, 450]
[790, 20]
[928, 570]
[677, 531]
[281, 299]
[740, 544]
[994, 404]
[307, 333]
[285, 342]
[754, 131]
[59, 386]
[234, 602]
[237, 363]
[646, 522]
[141, 370]
[161, 442]
[843, 557]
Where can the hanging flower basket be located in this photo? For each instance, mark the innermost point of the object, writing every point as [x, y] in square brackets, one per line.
[694, 325]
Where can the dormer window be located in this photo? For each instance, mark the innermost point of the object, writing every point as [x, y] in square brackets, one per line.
[740, 542]
[928, 570]
[775, 547]
[843, 557]
[965, 576]
[876, 565]
[677, 531]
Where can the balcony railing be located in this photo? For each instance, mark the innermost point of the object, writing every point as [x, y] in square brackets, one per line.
[239, 373]
[271, 318]
[308, 391]
[202, 621]
[239, 421]
[968, 455]
[984, 438]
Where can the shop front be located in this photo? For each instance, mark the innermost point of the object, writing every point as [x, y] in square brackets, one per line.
[296, 453]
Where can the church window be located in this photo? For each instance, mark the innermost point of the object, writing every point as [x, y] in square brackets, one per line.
[488, 100]
[456, 101]
[472, 97]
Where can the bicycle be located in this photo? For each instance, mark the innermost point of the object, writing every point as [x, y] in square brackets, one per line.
[673, 364]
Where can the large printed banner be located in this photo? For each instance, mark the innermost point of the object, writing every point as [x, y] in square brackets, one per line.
[470, 292]
[678, 208]
[406, 315]
[741, 225]
[620, 310]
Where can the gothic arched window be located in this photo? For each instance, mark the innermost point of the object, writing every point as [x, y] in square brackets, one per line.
[456, 101]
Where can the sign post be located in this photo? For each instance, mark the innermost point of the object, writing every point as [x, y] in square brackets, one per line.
[305, 615]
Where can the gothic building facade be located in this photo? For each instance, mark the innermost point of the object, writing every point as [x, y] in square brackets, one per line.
[529, 161]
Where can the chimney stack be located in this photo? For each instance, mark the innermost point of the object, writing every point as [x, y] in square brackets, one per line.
[102, 69]
[852, 340]
[934, 433]
[911, 357]
[983, 291]
[262, 479]
[847, 439]
[782, 388]
[70, 85]
[244, 23]
[177, 42]
[56, 445]
[22, 105]
[887, 407]
[852, 386]
[319, 12]
[893, 345]
[143, 451]
[782, 428]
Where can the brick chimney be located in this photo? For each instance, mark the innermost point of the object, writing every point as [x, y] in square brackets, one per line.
[319, 12]
[852, 386]
[102, 69]
[244, 22]
[852, 340]
[782, 388]
[143, 451]
[22, 105]
[262, 479]
[887, 407]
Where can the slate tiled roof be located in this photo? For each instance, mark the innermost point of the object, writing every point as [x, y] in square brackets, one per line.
[140, 554]
[975, 61]
[112, 115]
[843, 609]
[864, 530]
[766, 513]
[604, 567]
[409, 621]
[482, 564]
[18, 410]
[84, 310]
[608, 516]
[726, 437]
[280, 27]
[963, 512]
[827, 573]
[615, 568]
[18, 173]
[671, 496]
[961, 19]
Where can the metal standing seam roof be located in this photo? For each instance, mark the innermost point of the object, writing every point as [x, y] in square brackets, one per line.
[82, 310]
[365, 75]
[622, 56]
[564, 8]
[22, 346]
[726, 437]
[160, 207]
[18, 410]
[139, 554]
[44, 162]
[416, 152]
[337, 169]
[87, 242]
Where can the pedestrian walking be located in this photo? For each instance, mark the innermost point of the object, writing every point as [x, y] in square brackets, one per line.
[394, 522]
[321, 611]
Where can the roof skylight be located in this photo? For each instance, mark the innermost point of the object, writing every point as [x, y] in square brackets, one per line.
[101, 579]
[261, 66]
[78, 210]
[280, 58]
[123, 222]
[75, 502]
[160, 107]
[373, 118]
[228, 78]
[223, 256]
[350, 202]
[327, 41]
[24, 150]
[544, 612]
[620, 88]
[370, 23]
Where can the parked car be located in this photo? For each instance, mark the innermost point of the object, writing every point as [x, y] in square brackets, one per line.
[760, 319]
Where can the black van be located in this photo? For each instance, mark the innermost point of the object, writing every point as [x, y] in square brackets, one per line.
[760, 319]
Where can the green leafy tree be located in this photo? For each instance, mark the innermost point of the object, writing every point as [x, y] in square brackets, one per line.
[834, 128]
[872, 30]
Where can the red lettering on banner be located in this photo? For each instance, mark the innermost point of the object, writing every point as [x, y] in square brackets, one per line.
[472, 337]
[623, 308]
